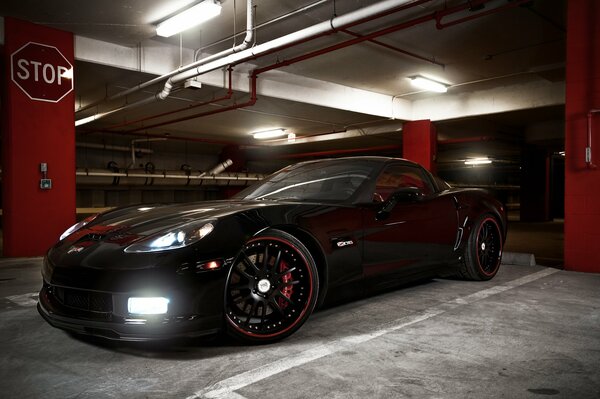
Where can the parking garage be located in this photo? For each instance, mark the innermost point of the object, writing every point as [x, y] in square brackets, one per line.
[112, 106]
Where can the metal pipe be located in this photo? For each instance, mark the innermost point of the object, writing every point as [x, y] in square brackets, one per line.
[219, 168]
[227, 96]
[174, 174]
[340, 152]
[440, 15]
[133, 150]
[106, 147]
[242, 46]
[232, 107]
[266, 23]
[220, 60]
[588, 149]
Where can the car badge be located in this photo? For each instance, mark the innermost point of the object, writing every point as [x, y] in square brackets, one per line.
[75, 249]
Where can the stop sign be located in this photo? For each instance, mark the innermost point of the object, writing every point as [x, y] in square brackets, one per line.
[42, 72]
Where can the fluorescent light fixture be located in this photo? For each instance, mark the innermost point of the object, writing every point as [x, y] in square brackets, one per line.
[83, 121]
[150, 305]
[269, 134]
[478, 161]
[428, 84]
[189, 18]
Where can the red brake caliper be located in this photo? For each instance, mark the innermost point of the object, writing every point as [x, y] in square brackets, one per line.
[288, 289]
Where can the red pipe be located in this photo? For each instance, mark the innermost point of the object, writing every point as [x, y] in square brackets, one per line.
[232, 107]
[433, 16]
[167, 136]
[467, 140]
[195, 105]
[338, 152]
[373, 35]
[347, 43]
[394, 48]
[359, 22]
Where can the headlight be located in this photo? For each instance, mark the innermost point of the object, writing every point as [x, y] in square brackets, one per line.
[172, 239]
[158, 305]
[77, 226]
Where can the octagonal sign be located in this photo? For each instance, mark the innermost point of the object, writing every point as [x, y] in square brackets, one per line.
[42, 72]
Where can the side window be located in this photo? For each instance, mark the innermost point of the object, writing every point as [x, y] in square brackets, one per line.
[399, 176]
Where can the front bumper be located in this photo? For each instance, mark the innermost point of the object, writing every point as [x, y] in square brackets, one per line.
[101, 315]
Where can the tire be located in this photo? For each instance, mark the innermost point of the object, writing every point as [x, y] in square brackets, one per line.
[271, 289]
[483, 252]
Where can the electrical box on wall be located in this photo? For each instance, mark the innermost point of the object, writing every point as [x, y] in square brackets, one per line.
[45, 184]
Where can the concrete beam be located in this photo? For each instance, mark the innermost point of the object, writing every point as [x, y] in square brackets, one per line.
[484, 102]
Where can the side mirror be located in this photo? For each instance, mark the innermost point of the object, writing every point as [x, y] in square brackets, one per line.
[404, 194]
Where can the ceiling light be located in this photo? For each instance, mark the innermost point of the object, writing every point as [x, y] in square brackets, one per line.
[428, 84]
[478, 161]
[189, 18]
[269, 134]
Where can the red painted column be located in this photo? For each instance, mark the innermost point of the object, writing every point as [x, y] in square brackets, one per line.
[38, 127]
[582, 180]
[419, 143]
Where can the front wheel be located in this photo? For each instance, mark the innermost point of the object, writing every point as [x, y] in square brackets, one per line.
[483, 252]
[272, 288]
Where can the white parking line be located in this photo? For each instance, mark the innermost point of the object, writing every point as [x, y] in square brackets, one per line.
[30, 299]
[226, 387]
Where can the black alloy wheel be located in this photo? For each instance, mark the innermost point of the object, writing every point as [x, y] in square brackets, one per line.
[483, 253]
[271, 289]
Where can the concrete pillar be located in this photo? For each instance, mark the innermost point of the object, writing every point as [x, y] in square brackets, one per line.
[37, 128]
[535, 185]
[582, 179]
[419, 143]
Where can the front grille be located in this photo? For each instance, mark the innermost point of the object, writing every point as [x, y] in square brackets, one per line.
[84, 300]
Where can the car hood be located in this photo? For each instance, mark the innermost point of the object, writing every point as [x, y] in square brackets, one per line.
[145, 220]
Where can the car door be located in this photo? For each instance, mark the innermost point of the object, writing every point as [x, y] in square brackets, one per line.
[418, 232]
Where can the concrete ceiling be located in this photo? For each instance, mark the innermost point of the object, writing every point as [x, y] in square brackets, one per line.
[505, 70]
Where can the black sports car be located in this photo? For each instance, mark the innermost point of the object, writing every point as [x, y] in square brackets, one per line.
[257, 265]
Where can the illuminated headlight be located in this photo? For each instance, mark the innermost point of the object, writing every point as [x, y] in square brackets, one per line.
[158, 305]
[173, 239]
[77, 226]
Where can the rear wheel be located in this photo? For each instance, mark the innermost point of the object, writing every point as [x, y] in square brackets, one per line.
[483, 252]
[271, 289]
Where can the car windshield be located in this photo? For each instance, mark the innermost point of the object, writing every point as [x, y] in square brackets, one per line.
[333, 181]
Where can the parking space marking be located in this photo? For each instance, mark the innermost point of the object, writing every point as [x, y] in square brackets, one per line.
[227, 387]
[30, 299]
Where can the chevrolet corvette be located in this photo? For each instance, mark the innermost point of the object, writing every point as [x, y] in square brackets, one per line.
[257, 265]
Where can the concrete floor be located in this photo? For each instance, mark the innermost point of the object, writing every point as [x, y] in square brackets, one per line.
[531, 332]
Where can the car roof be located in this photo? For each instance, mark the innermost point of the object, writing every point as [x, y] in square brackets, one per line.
[379, 159]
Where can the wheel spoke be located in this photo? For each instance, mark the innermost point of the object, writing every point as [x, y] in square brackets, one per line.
[287, 284]
[266, 258]
[263, 314]
[240, 286]
[248, 262]
[251, 313]
[277, 262]
[243, 273]
[276, 306]
[283, 273]
[281, 295]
